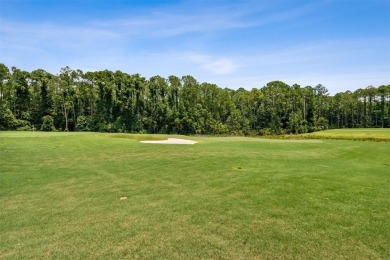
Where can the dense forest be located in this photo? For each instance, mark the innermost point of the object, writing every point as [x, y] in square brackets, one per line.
[118, 102]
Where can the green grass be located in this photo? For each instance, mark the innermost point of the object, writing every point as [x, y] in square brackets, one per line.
[361, 134]
[233, 197]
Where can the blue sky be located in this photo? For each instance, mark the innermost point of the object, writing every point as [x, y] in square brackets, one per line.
[342, 44]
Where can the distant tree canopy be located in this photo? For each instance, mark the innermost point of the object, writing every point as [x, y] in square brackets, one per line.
[109, 101]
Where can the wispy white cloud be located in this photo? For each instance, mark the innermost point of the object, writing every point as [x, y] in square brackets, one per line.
[167, 42]
[339, 65]
[169, 23]
[334, 82]
[217, 65]
[156, 24]
[53, 45]
[53, 32]
[331, 55]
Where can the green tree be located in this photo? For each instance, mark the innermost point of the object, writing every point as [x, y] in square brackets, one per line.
[4, 77]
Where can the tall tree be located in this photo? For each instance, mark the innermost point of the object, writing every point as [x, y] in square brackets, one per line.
[119, 102]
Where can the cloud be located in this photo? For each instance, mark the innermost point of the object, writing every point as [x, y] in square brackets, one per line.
[335, 83]
[338, 64]
[326, 56]
[165, 23]
[216, 65]
[203, 42]
[170, 22]
[55, 33]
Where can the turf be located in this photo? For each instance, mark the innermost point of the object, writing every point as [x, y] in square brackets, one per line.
[362, 134]
[88, 195]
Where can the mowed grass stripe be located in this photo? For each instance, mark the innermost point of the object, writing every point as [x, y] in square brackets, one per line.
[221, 198]
[360, 134]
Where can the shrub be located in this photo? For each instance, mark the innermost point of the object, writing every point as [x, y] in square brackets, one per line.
[48, 124]
[8, 120]
[24, 128]
[84, 123]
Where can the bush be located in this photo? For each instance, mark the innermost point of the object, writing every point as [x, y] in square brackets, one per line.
[24, 128]
[322, 123]
[84, 123]
[7, 119]
[48, 124]
[265, 132]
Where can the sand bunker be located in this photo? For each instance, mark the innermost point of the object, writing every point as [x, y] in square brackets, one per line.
[170, 141]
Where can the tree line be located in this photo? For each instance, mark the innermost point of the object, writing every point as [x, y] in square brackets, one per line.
[107, 101]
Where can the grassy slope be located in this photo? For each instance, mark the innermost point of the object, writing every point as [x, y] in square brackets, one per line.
[364, 134]
[221, 198]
